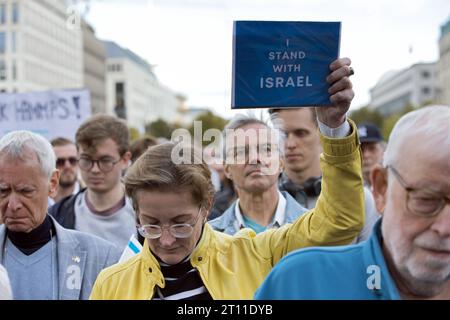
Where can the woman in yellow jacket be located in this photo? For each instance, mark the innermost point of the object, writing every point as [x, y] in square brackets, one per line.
[183, 258]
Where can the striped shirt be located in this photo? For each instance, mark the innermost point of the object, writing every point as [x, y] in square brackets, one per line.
[183, 282]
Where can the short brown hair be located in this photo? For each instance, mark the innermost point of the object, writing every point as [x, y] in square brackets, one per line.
[155, 171]
[139, 146]
[100, 127]
[61, 141]
[274, 111]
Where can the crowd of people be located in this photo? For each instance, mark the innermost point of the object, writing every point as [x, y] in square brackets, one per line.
[309, 206]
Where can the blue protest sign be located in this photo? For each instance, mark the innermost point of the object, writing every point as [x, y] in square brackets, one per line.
[282, 63]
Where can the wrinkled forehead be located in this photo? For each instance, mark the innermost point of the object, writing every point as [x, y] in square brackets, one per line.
[26, 155]
[251, 135]
[25, 169]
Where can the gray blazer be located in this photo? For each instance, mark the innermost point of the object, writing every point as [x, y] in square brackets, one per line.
[81, 257]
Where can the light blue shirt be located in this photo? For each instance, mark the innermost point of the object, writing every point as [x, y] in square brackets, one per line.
[33, 277]
[278, 219]
[332, 273]
[249, 223]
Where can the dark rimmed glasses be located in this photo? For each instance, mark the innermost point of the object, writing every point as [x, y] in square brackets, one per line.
[60, 162]
[104, 164]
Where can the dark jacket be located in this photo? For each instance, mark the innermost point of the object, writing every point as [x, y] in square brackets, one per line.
[64, 210]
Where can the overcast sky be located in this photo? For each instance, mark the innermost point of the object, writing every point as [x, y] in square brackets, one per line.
[190, 41]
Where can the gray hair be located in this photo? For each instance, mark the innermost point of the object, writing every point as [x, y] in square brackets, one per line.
[16, 143]
[241, 120]
[430, 123]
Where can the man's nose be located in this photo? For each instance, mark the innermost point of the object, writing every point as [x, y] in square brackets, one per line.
[441, 225]
[66, 165]
[95, 167]
[253, 157]
[289, 141]
[14, 202]
[365, 153]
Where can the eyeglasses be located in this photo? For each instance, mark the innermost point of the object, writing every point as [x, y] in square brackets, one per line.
[422, 202]
[243, 153]
[104, 164]
[182, 230]
[60, 162]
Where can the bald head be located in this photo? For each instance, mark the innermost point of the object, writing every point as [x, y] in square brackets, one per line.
[423, 134]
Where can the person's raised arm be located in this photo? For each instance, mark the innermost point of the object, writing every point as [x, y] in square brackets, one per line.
[339, 213]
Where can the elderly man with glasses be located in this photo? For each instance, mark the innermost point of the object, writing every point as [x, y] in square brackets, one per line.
[102, 208]
[408, 255]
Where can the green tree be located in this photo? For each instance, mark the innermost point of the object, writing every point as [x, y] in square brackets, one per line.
[134, 134]
[388, 125]
[159, 128]
[209, 120]
[365, 114]
[391, 120]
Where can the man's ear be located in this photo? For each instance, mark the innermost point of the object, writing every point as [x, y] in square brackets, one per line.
[379, 179]
[282, 164]
[53, 184]
[226, 170]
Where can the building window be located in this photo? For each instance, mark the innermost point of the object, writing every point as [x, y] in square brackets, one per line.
[15, 12]
[3, 13]
[2, 70]
[2, 42]
[425, 74]
[114, 67]
[14, 70]
[13, 42]
[120, 108]
[425, 90]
